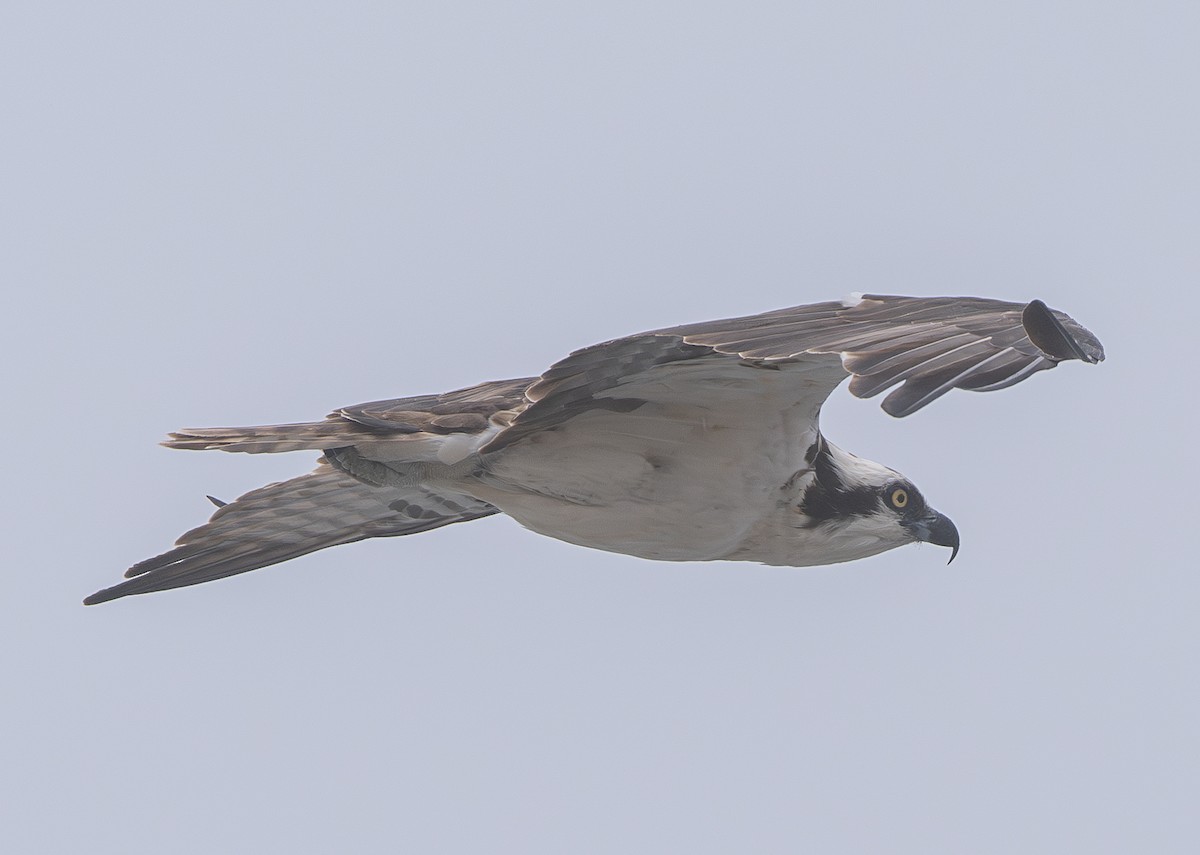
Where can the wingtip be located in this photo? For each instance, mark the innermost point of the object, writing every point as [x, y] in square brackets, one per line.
[100, 597]
[116, 592]
[1051, 336]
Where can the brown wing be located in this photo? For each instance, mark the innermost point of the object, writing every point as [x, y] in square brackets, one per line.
[291, 518]
[929, 345]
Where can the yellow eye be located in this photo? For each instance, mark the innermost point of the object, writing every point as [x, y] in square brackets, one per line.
[899, 498]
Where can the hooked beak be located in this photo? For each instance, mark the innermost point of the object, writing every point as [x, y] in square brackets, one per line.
[937, 529]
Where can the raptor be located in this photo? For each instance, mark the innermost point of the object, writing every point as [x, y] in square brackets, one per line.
[694, 443]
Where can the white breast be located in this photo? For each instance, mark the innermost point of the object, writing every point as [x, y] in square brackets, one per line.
[672, 480]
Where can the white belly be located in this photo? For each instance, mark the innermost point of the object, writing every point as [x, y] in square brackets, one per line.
[665, 482]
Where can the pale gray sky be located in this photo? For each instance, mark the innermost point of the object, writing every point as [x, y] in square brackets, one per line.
[229, 213]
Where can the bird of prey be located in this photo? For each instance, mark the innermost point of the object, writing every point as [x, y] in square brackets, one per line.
[694, 443]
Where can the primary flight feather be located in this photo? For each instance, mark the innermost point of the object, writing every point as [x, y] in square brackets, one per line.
[694, 443]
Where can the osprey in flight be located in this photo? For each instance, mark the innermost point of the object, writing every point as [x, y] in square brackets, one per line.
[694, 443]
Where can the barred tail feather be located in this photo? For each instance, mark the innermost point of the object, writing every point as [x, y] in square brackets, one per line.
[270, 439]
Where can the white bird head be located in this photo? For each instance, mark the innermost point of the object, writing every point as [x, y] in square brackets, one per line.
[855, 507]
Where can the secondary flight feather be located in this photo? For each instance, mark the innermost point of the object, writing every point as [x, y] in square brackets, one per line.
[693, 443]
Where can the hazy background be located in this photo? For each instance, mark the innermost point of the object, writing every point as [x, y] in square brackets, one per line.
[247, 212]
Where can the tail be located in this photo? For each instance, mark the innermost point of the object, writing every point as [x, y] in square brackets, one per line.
[280, 521]
[268, 439]
[424, 424]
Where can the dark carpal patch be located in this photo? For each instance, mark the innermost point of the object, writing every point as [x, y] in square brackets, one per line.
[658, 464]
[371, 472]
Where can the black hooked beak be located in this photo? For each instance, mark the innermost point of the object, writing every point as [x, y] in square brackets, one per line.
[937, 529]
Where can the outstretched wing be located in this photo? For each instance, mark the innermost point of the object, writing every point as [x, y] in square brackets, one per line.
[280, 521]
[786, 361]
[928, 345]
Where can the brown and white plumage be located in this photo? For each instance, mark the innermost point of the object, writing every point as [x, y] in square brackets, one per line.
[696, 442]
